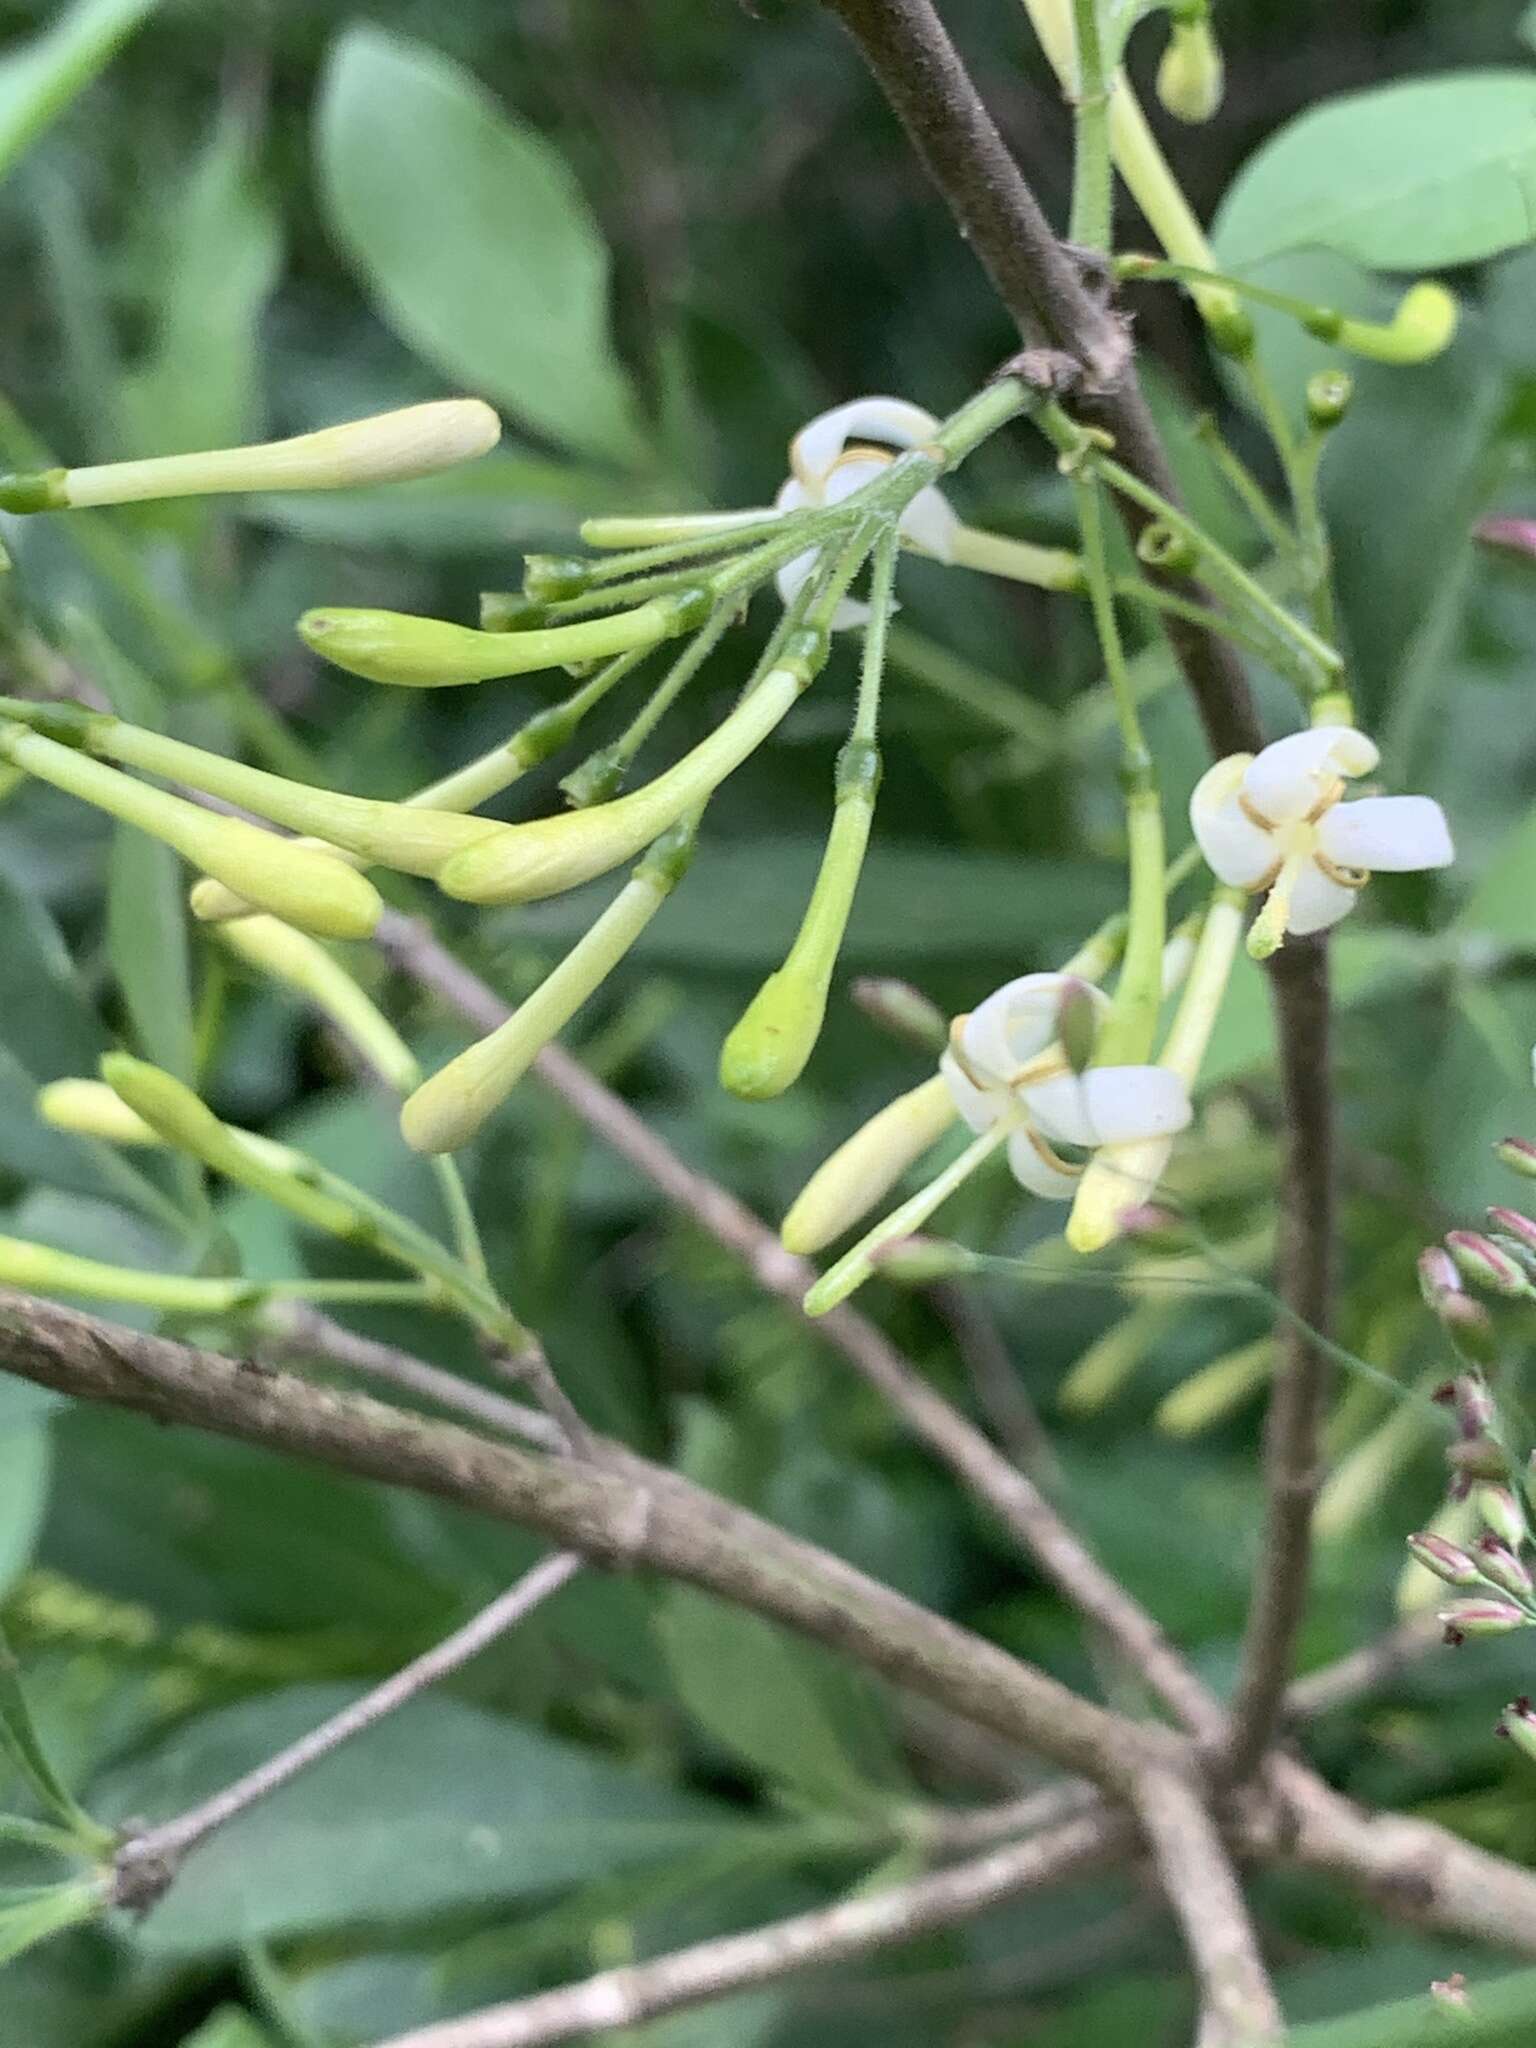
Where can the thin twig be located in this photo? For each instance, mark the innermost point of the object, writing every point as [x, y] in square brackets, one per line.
[583, 1504]
[1238, 2008]
[1360, 1672]
[816, 1940]
[1000, 1392]
[148, 1862]
[1293, 1461]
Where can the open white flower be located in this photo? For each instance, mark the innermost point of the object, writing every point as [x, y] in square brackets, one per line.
[1006, 1059]
[832, 457]
[1275, 821]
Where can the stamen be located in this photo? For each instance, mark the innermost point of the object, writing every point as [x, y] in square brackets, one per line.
[1268, 931]
[1326, 801]
[1347, 878]
[1253, 814]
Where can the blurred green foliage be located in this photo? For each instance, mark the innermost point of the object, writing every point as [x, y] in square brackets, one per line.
[659, 236]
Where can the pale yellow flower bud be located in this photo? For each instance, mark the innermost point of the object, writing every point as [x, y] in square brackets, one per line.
[864, 1169]
[93, 1110]
[290, 956]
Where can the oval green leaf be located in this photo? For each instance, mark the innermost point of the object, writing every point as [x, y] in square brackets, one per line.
[474, 239]
[1414, 176]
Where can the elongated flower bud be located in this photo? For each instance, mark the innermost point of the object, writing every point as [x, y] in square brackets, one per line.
[1479, 1260]
[1423, 325]
[429, 654]
[768, 1048]
[522, 863]
[1499, 1511]
[294, 883]
[447, 1110]
[1514, 1223]
[1503, 1567]
[93, 1110]
[387, 448]
[1211, 1394]
[185, 1121]
[865, 1167]
[1519, 1154]
[292, 957]
[408, 837]
[41, 1270]
[1464, 1618]
[1447, 1560]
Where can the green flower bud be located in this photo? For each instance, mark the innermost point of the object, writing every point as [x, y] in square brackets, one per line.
[1479, 1260]
[1519, 1154]
[1504, 1568]
[185, 1121]
[1191, 76]
[1464, 1618]
[409, 837]
[865, 1167]
[387, 448]
[1518, 1725]
[446, 1111]
[1499, 1511]
[426, 654]
[521, 863]
[93, 1110]
[508, 611]
[548, 578]
[303, 887]
[902, 1010]
[290, 956]
[1328, 396]
[1447, 1560]
[41, 1270]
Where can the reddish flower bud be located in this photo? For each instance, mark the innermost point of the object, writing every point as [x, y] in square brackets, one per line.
[1437, 1275]
[1514, 1224]
[1465, 1618]
[1519, 1154]
[1446, 1560]
[1477, 1457]
[1502, 1567]
[1501, 1512]
[1518, 1725]
[1479, 1260]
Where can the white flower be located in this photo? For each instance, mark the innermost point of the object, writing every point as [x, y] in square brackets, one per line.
[1004, 1059]
[1274, 821]
[831, 458]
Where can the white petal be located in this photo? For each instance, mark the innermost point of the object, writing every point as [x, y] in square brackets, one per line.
[1110, 1105]
[1318, 901]
[851, 473]
[1396, 834]
[930, 524]
[980, 1107]
[793, 496]
[890, 420]
[1032, 1170]
[792, 578]
[1236, 850]
[1016, 1022]
[1286, 780]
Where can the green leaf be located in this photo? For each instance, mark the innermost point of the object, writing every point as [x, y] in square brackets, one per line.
[479, 1811]
[20, 1740]
[1503, 904]
[38, 80]
[221, 246]
[1500, 2014]
[147, 941]
[29, 1921]
[24, 1467]
[229, 2027]
[1410, 176]
[473, 235]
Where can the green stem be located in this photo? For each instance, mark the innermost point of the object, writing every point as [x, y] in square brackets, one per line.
[461, 1215]
[1092, 177]
[1245, 486]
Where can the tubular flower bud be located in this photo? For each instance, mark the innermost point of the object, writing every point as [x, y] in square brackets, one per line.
[1438, 1275]
[864, 1168]
[186, 1122]
[1503, 1567]
[428, 654]
[1328, 397]
[767, 1049]
[521, 863]
[1499, 1511]
[1516, 1225]
[42, 1270]
[1481, 1261]
[903, 1010]
[1477, 1457]
[1517, 1724]
[1447, 1560]
[295, 883]
[93, 1110]
[1191, 76]
[1464, 1618]
[387, 448]
[447, 1110]
[1274, 822]
[408, 837]
[1519, 1154]
[1423, 325]
[292, 957]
